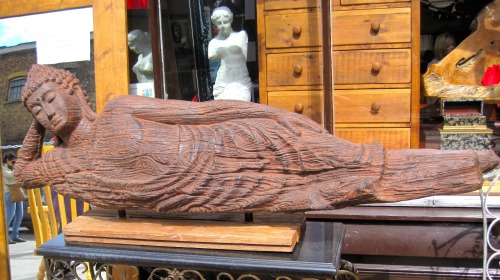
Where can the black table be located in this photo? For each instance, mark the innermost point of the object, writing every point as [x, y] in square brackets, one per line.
[316, 255]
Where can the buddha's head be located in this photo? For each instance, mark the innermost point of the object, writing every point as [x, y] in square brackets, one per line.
[56, 99]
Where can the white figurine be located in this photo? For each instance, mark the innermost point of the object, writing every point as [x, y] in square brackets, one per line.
[140, 43]
[233, 81]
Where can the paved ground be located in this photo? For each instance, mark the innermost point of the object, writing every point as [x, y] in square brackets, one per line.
[23, 263]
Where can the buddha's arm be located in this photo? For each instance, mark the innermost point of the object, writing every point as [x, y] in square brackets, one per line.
[33, 142]
[27, 166]
[195, 113]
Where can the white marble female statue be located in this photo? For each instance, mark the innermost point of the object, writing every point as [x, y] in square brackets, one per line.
[140, 43]
[230, 47]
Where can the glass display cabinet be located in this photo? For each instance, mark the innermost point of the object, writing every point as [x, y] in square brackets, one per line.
[179, 34]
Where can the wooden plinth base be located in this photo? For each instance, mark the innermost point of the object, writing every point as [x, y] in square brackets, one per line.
[268, 232]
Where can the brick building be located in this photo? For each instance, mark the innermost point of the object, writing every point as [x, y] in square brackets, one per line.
[15, 63]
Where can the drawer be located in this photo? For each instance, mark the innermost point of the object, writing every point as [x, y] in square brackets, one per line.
[293, 30]
[290, 4]
[390, 138]
[307, 103]
[372, 66]
[362, 2]
[372, 106]
[374, 26]
[294, 69]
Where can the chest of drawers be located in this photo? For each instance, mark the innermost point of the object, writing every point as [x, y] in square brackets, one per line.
[375, 67]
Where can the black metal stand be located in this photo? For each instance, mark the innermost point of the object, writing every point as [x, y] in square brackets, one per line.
[316, 255]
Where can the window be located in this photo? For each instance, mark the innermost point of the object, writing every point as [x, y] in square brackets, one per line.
[15, 88]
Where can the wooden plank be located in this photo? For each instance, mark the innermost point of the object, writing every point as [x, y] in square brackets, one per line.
[294, 69]
[10, 8]
[290, 4]
[372, 125]
[359, 2]
[4, 231]
[185, 233]
[394, 66]
[415, 74]
[261, 50]
[110, 51]
[372, 86]
[357, 26]
[307, 103]
[293, 30]
[372, 106]
[338, 7]
[372, 46]
[390, 138]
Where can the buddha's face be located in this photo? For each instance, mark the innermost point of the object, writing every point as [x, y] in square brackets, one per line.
[56, 110]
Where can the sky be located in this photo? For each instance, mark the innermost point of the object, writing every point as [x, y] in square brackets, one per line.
[17, 30]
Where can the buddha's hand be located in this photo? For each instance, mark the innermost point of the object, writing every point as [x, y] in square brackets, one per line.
[32, 144]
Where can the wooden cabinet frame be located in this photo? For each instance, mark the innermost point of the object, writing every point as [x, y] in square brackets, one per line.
[110, 55]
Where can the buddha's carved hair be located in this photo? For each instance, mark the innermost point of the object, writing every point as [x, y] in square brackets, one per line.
[40, 74]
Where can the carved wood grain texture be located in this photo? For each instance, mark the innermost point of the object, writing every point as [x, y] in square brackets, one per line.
[233, 157]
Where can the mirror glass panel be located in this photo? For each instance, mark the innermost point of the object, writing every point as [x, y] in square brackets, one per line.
[63, 39]
[177, 33]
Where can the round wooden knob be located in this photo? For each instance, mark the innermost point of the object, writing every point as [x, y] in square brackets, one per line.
[297, 30]
[376, 66]
[375, 108]
[375, 26]
[298, 108]
[297, 69]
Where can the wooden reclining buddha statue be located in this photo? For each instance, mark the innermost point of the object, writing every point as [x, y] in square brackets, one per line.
[461, 72]
[217, 156]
